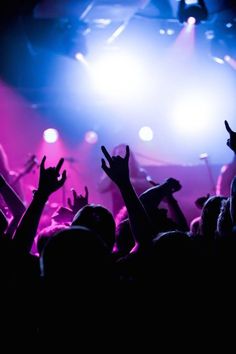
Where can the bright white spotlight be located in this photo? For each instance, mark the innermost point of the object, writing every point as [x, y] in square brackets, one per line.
[227, 58]
[50, 135]
[191, 21]
[146, 134]
[91, 137]
[117, 75]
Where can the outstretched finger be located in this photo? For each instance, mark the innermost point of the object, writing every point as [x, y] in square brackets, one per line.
[63, 178]
[74, 194]
[106, 154]
[42, 164]
[60, 163]
[86, 192]
[105, 167]
[229, 130]
[127, 153]
[69, 203]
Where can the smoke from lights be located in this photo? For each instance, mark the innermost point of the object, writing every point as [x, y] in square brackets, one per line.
[117, 75]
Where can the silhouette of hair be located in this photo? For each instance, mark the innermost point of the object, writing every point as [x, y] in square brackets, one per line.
[45, 234]
[124, 238]
[75, 254]
[209, 216]
[224, 222]
[173, 245]
[3, 223]
[98, 219]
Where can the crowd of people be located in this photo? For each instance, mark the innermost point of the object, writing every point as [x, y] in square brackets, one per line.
[90, 281]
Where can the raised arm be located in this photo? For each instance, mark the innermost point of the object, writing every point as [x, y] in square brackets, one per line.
[49, 182]
[233, 201]
[152, 197]
[14, 203]
[118, 171]
[177, 214]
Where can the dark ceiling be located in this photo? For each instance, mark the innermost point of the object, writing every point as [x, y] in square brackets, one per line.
[112, 9]
[103, 20]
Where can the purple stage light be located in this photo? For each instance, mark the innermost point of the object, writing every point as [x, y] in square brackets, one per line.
[50, 135]
[91, 137]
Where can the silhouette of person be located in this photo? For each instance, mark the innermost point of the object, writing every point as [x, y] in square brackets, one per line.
[9, 176]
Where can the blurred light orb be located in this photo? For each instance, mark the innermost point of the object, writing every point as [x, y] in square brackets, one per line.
[146, 134]
[91, 137]
[227, 58]
[218, 60]
[50, 135]
[170, 32]
[191, 21]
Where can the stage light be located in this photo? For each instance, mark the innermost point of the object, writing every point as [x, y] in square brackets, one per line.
[50, 135]
[219, 50]
[146, 134]
[191, 21]
[227, 58]
[170, 32]
[79, 56]
[210, 34]
[91, 137]
[218, 60]
[203, 156]
[192, 9]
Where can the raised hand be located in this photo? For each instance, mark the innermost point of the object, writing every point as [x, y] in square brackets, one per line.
[199, 202]
[79, 201]
[118, 169]
[231, 142]
[173, 185]
[49, 179]
[2, 181]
